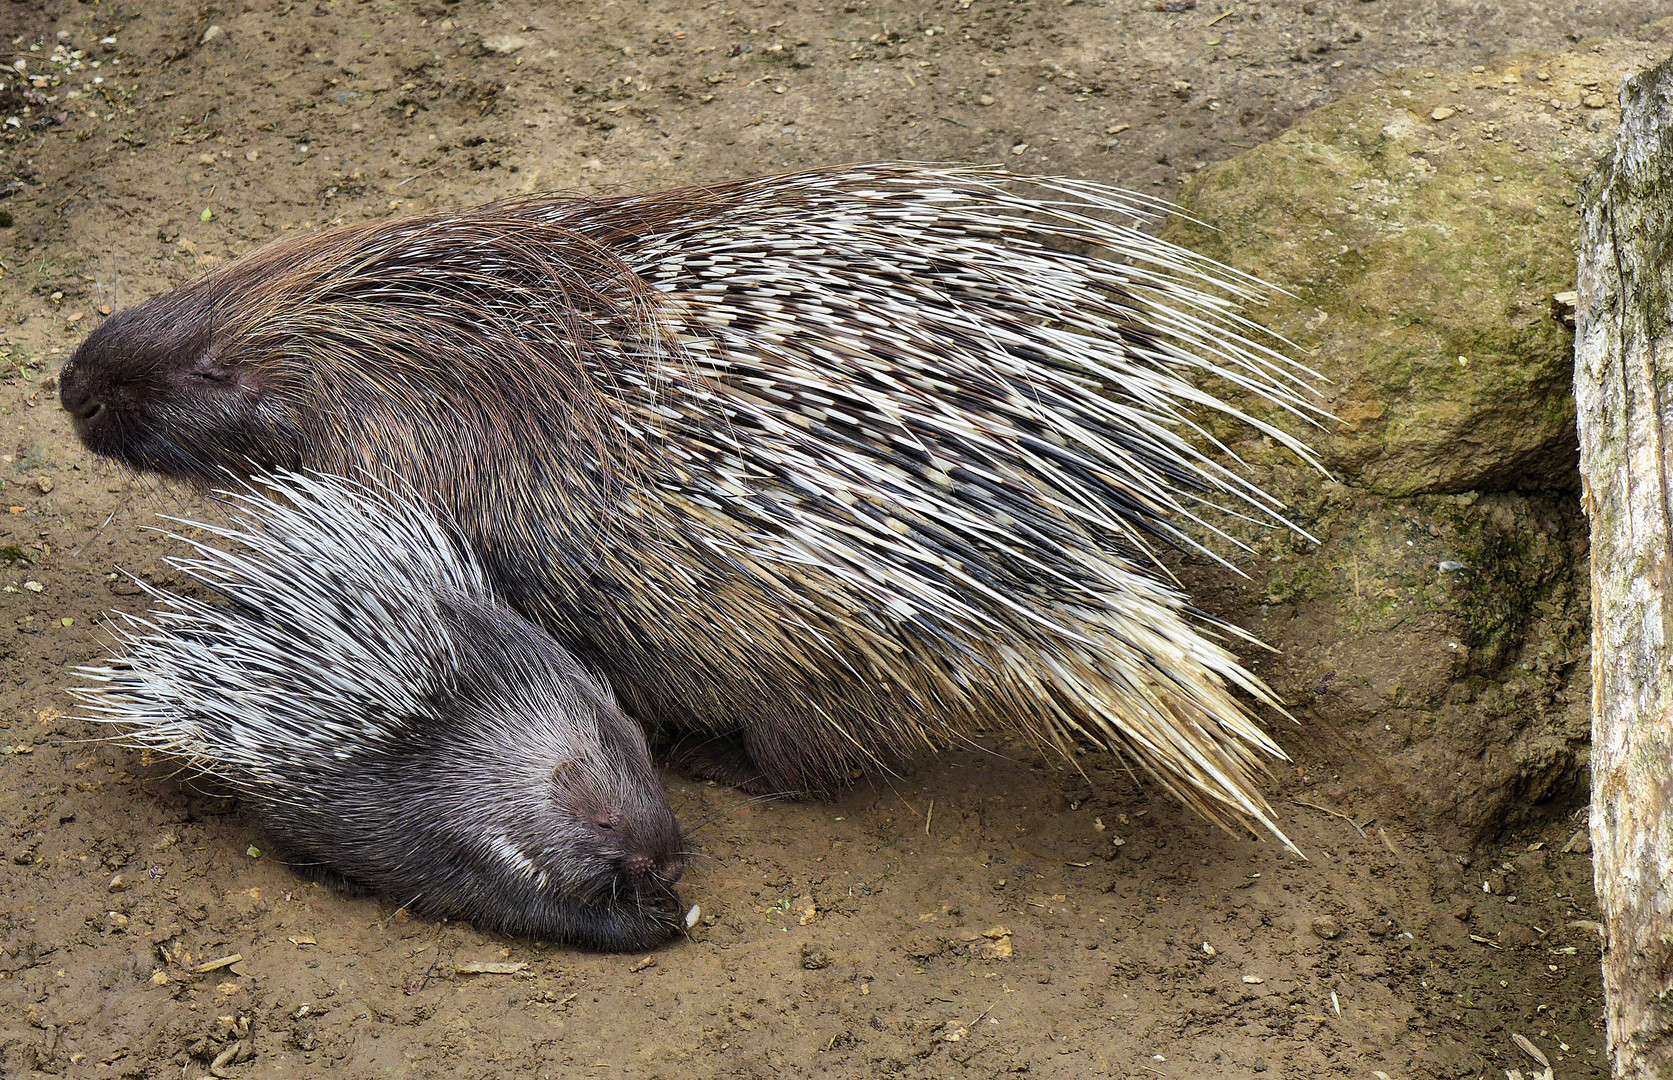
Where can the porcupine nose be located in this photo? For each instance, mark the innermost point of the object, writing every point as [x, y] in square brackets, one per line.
[653, 874]
[650, 856]
[77, 398]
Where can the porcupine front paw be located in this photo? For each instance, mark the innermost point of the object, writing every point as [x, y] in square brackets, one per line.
[757, 761]
[723, 757]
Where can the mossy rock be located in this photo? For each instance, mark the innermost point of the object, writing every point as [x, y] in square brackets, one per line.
[1440, 625]
[1421, 230]
[1444, 635]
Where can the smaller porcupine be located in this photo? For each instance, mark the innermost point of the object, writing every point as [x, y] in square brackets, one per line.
[392, 726]
[824, 468]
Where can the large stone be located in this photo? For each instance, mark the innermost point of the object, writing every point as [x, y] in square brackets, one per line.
[1441, 624]
[1422, 229]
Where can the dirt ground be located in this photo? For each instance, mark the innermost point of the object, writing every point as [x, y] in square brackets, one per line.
[979, 916]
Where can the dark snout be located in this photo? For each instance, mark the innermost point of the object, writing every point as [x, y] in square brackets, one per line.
[641, 837]
[159, 394]
[92, 380]
[80, 399]
[129, 373]
[631, 906]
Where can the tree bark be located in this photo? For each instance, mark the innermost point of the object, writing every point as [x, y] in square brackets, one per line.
[1623, 388]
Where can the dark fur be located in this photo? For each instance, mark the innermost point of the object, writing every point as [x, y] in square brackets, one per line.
[407, 815]
[329, 352]
[392, 726]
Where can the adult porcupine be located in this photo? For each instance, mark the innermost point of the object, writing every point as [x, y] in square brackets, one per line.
[390, 724]
[847, 462]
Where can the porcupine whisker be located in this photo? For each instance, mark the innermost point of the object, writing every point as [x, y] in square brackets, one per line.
[404, 906]
[728, 811]
[298, 864]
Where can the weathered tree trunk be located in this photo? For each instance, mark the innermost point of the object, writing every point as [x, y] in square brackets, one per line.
[1623, 387]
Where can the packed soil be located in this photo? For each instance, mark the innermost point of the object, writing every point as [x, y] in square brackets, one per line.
[981, 914]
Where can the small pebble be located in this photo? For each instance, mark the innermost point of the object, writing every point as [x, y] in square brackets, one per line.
[504, 44]
[1327, 927]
